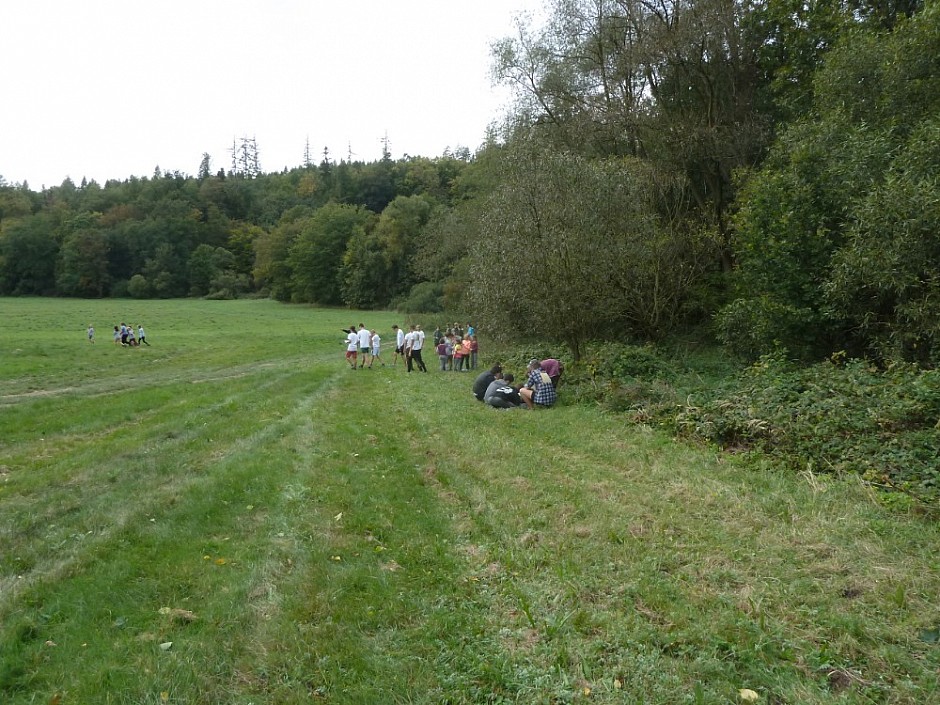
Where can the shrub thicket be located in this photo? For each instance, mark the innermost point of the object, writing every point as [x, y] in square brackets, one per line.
[839, 416]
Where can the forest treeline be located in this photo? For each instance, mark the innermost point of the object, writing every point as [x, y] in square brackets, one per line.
[769, 167]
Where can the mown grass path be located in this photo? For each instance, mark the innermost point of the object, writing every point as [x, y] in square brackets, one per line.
[234, 516]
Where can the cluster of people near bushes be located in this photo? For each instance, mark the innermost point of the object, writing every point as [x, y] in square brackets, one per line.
[540, 388]
[457, 350]
[456, 347]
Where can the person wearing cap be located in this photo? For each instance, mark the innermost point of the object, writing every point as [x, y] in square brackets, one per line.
[538, 389]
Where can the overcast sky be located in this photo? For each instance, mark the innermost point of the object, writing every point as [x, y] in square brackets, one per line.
[107, 89]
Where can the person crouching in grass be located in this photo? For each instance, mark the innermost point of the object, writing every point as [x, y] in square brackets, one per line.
[538, 389]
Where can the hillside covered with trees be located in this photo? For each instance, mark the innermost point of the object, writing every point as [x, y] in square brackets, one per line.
[769, 167]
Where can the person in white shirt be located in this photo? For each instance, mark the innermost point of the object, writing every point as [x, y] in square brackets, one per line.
[376, 349]
[417, 346]
[409, 342]
[352, 345]
[365, 344]
[399, 344]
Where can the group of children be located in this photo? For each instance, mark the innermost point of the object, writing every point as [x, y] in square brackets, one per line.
[457, 348]
[457, 353]
[124, 335]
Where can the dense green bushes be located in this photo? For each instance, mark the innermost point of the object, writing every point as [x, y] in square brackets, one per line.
[836, 233]
[839, 416]
[836, 416]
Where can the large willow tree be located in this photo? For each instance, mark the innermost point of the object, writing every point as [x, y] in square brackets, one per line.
[574, 249]
[672, 82]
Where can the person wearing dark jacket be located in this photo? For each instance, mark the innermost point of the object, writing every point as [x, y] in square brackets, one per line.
[483, 381]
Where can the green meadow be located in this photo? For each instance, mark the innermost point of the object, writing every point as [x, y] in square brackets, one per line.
[232, 515]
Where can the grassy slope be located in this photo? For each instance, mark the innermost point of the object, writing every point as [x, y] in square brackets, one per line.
[303, 532]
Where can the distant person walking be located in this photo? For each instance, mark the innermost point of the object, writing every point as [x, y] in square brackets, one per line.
[91, 333]
[399, 344]
[417, 345]
[376, 349]
[365, 344]
[409, 343]
[352, 346]
[141, 336]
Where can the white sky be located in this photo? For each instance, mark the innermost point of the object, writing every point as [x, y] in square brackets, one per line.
[107, 89]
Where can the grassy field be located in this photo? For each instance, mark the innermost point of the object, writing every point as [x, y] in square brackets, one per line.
[233, 516]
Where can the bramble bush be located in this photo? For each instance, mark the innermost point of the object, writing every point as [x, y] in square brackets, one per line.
[837, 416]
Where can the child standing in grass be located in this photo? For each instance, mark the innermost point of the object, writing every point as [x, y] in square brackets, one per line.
[91, 333]
[442, 353]
[474, 347]
[466, 350]
[458, 355]
[376, 349]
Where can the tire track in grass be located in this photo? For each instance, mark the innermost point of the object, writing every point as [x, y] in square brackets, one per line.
[132, 540]
[93, 499]
[379, 611]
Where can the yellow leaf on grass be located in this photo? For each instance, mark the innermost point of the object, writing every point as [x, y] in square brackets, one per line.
[618, 684]
[178, 614]
[747, 695]
[586, 691]
[164, 696]
[220, 561]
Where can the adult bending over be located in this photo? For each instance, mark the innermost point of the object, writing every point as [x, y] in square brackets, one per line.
[554, 369]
